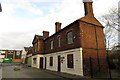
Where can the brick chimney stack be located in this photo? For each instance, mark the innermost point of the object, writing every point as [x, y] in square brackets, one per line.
[88, 7]
[57, 26]
[45, 34]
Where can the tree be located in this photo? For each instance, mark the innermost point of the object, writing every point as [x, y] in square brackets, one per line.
[111, 22]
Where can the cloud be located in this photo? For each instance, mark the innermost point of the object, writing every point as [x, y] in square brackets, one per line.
[102, 7]
[18, 28]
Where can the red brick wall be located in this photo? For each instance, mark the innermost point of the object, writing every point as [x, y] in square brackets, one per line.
[92, 41]
[87, 33]
[40, 46]
[74, 27]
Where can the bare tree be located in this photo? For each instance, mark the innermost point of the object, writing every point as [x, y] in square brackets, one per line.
[112, 26]
[113, 18]
[111, 22]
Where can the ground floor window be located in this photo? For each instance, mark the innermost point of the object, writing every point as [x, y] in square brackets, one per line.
[70, 61]
[51, 61]
[34, 60]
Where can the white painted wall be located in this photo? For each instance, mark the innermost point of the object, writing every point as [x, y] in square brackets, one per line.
[54, 67]
[77, 58]
[37, 65]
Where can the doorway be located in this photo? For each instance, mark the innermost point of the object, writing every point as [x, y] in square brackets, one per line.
[41, 62]
[45, 62]
[59, 64]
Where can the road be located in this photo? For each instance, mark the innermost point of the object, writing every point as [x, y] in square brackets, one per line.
[28, 73]
[32, 73]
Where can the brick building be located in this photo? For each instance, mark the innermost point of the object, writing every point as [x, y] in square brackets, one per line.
[15, 55]
[74, 49]
[29, 51]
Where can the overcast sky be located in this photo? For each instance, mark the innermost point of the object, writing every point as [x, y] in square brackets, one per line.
[20, 20]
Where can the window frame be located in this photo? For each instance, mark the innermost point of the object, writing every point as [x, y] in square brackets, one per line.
[70, 38]
[70, 61]
[51, 61]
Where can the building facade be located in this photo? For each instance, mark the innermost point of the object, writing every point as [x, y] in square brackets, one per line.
[38, 50]
[76, 49]
[15, 55]
[29, 51]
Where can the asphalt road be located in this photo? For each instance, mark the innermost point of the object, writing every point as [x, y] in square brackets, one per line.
[11, 71]
[18, 72]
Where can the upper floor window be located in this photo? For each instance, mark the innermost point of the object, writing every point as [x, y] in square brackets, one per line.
[35, 47]
[51, 44]
[70, 37]
[59, 41]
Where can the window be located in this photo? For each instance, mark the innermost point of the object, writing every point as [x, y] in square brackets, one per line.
[2, 52]
[18, 55]
[34, 60]
[35, 48]
[51, 61]
[70, 61]
[10, 54]
[51, 44]
[70, 37]
[59, 41]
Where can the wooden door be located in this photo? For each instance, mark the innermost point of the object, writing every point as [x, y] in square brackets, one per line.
[59, 64]
[41, 62]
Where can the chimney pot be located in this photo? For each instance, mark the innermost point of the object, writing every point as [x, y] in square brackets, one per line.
[57, 26]
[45, 34]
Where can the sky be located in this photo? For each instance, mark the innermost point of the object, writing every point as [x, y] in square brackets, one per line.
[20, 20]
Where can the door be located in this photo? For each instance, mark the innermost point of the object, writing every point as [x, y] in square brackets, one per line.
[29, 61]
[59, 64]
[45, 62]
[41, 62]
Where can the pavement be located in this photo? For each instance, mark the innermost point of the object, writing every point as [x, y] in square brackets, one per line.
[18, 72]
